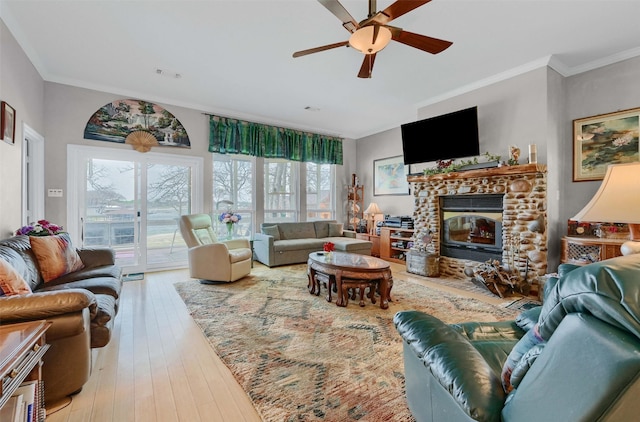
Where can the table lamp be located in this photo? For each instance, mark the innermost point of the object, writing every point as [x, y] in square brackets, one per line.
[618, 201]
[371, 212]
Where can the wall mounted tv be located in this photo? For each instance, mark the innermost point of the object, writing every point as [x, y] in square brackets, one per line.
[452, 135]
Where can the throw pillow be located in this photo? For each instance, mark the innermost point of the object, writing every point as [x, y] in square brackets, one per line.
[271, 231]
[55, 255]
[335, 229]
[11, 282]
[529, 340]
[527, 319]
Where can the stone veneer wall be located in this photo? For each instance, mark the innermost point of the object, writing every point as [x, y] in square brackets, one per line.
[524, 217]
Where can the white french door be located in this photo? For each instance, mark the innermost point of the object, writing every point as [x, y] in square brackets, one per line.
[131, 202]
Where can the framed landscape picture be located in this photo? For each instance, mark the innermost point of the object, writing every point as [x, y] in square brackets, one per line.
[390, 176]
[602, 140]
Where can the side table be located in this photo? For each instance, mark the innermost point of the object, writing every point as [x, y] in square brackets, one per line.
[23, 346]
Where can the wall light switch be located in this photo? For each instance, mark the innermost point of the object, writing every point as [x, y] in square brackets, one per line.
[55, 193]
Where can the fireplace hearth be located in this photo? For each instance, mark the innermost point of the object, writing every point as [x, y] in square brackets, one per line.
[477, 215]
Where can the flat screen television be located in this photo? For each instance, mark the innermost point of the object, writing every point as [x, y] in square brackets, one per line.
[449, 136]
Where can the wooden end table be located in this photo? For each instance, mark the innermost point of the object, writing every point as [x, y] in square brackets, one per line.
[348, 270]
[22, 346]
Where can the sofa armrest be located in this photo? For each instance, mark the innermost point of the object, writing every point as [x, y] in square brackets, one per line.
[458, 367]
[97, 257]
[263, 248]
[349, 233]
[237, 243]
[208, 254]
[43, 305]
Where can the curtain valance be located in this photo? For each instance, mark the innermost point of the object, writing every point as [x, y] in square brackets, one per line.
[231, 136]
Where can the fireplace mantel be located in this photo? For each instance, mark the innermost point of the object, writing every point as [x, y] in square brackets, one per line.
[488, 172]
[524, 218]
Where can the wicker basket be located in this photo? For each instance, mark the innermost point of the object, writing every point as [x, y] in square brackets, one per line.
[423, 263]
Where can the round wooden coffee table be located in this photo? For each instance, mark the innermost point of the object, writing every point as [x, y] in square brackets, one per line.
[348, 270]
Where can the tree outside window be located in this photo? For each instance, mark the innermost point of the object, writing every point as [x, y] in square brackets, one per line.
[233, 191]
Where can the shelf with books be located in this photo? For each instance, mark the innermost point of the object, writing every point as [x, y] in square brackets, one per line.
[395, 243]
[21, 392]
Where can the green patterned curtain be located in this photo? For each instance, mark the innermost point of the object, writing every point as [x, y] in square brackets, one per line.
[230, 136]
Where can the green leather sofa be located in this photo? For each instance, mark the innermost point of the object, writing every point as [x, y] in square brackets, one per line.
[583, 366]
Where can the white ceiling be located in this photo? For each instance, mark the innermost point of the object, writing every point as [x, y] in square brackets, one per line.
[235, 56]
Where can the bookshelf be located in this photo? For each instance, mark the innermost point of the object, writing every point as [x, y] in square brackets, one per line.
[395, 243]
[355, 198]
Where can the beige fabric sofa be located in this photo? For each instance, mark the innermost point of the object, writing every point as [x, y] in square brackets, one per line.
[291, 243]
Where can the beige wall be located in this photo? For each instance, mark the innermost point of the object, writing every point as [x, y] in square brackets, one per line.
[21, 87]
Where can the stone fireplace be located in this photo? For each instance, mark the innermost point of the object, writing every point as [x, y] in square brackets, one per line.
[476, 215]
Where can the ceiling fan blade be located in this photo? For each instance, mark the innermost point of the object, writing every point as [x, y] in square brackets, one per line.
[397, 9]
[322, 48]
[367, 66]
[421, 42]
[335, 7]
[376, 31]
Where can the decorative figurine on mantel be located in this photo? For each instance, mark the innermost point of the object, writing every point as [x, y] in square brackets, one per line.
[514, 155]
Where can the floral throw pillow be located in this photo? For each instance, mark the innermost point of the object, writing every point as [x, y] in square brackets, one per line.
[11, 282]
[56, 256]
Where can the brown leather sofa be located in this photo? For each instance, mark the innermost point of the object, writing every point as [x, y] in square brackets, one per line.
[82, 306]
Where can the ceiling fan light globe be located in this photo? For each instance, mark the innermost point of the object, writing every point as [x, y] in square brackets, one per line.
[362, 39]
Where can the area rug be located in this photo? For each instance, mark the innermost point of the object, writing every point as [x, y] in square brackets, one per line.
[301, 358]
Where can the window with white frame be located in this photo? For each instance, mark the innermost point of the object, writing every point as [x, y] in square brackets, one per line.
[235, 188]
[280, 185]
[320, 188]
[233, 182]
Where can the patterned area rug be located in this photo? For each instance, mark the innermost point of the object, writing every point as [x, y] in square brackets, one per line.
[301, 358]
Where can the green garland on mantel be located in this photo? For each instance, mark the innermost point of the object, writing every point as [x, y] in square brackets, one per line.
[448, 166]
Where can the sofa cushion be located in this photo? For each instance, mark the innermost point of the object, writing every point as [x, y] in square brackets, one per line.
[271, 231]
[529, 340]
[108, 286]
[112, 271]
[527, 319]
[298, 244]
[17, 251]
[348, 244]
[335, 230]
[11, 282]
[297, 231]
[322, 228]
[55, 255]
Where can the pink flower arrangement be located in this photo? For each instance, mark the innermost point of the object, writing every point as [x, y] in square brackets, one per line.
[41, 228]
[229, 218]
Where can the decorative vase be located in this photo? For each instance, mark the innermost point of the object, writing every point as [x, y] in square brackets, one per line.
[328, 256]
[229, 230]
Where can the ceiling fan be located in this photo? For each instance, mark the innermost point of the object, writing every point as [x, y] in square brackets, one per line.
[373, 34]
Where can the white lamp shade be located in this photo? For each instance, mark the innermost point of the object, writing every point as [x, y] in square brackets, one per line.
[373, 209]
[618, 199]
[362, 39]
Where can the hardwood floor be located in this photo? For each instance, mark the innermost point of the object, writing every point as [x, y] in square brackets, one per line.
[158, 365]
